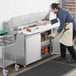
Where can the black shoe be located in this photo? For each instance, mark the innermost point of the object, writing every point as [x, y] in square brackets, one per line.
[61, 59]
[71, 61]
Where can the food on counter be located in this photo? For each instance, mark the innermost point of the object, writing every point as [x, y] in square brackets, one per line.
[46, 36]
[32, 28]
[28, 29]
[44, 22]
[52, 36]
[42, 39]
[45, 50]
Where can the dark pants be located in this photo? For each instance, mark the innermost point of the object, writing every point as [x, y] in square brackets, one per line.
[70, 49]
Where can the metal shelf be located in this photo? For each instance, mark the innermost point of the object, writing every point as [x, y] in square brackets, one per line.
[6, 63]
[47, 42]
[45, 55]
[71, 6]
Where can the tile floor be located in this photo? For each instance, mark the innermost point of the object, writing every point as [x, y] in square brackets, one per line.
[11, 71]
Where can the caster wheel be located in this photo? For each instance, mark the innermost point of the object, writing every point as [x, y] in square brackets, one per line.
[24, 66]
[5, 72]
[16, 67]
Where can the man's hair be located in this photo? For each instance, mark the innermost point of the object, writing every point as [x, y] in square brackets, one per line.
[54, 5]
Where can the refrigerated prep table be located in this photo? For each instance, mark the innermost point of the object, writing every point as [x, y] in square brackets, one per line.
[28, 44]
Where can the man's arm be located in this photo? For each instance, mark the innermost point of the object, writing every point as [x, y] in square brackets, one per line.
[62, 18]
[62, 22]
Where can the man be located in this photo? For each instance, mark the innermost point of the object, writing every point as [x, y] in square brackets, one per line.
[64, 17]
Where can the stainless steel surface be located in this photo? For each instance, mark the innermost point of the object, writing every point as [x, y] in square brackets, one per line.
[33, 48]
[6, 40]
[7, 63]
[20, 52]
[24, 45]
[27, 49]
[7, 50]
[25, 20]
[23, 41]
[6, 59]
[47, 42]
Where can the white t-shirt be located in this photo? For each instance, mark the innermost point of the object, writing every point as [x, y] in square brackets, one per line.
[52, 16]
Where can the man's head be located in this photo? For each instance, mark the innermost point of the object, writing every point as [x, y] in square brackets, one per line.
[55, 8]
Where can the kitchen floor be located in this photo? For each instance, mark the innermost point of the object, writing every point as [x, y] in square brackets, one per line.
[11, 71]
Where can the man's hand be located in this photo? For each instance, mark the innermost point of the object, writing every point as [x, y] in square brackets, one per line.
[47, 22]
[44, 22]
[56, 34]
